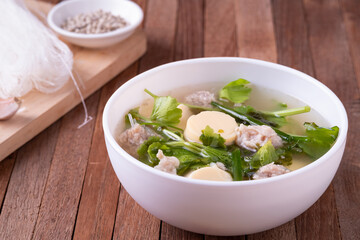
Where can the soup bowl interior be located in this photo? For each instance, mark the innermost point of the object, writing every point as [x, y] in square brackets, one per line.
[224, 208]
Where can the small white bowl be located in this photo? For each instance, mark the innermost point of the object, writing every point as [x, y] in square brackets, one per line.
[224, 208]
[128, 10]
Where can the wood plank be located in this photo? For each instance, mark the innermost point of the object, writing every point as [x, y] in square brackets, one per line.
[133, 222]
[292, 36]
[285, 231]
[61, 197]
[97, 210]
[351, 15]
[321, 220]
[220, 29]
[330, 49]
[189, 31]
[255, 30]
[93, 68]
[160, 25]
[333, 64]
[208, 237]
[169, 232]
[6, 168]
[27, 183]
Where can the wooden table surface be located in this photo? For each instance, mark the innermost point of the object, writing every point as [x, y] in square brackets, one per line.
[60, 185]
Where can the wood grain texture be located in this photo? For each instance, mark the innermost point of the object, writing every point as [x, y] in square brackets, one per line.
[26, 187]
[61, 197]
[330, 49]
[160, 28]
[351, 17]
[294, 51]
[320, 219]
[208, 237]
[133, 222]
[292, 36]
[169, 232]
[220, 29]
[320, 38]
[97, 209]
[255, 30]
[285, 231]
[6, 168]
[189, 31]
[332, 63]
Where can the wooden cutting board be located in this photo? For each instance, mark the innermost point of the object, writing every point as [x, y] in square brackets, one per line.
[92, 69]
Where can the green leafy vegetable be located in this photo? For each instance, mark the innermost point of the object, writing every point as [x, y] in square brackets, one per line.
[239, 116]
[245, 166]
[266, 118]
[214, 154]
[238, 170]
[265, 155]
[277, 118]
[316, 143]
[249, 120]
[137, 117]
[291, 111]
[198, 108]
[319, 140]
[143, 151]
[245, 109]
[188, 159]
[273, 119]
[285, 155]
[241, 163]
[282, 106]
[155, 147]
[165, 110]
[236, 91]
[212, 139]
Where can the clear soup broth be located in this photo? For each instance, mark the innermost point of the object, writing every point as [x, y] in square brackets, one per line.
[265, 99]
[261, 99]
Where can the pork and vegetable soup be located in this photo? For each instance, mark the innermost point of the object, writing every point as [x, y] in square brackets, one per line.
[234, 132]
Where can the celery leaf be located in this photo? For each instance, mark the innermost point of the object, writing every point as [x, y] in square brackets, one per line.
[236, 91]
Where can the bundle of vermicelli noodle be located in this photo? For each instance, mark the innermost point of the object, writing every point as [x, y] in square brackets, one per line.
[31, 56]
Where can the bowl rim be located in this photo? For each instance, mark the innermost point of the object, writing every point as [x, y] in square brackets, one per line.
[110, 34]
[341, 139]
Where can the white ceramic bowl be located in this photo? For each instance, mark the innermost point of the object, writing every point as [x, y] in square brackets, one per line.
[129, 10]
[224, 208]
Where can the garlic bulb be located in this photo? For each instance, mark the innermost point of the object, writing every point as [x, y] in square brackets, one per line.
[8, 107]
